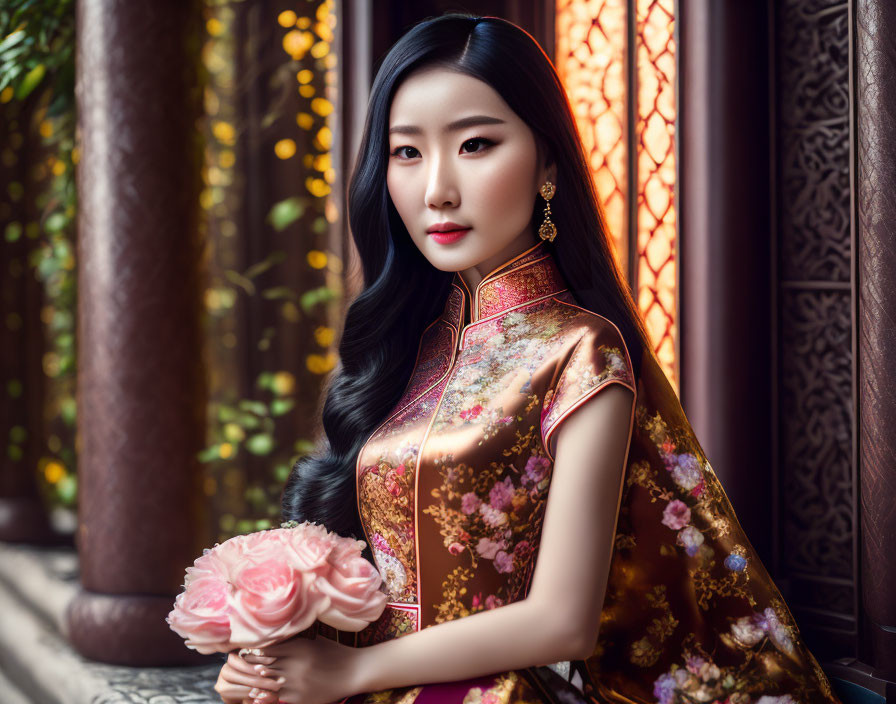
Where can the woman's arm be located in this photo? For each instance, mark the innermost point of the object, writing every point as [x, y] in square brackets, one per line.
[559, 618]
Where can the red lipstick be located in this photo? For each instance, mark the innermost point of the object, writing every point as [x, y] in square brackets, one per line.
[447, 232]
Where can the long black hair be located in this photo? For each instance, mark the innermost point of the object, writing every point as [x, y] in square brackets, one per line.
[402, 291]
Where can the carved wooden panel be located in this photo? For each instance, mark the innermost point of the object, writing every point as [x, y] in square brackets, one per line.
[815, 366]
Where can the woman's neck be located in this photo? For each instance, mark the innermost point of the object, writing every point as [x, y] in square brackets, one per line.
[476, 273]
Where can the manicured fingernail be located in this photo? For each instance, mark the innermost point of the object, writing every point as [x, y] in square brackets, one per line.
[280, 680]
[253, 692]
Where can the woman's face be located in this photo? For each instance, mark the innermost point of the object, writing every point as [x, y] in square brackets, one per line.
[459, 155]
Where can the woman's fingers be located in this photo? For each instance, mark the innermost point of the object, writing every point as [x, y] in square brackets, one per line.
[268, 671]
[234, 676]
[232, 693]
[240, 664]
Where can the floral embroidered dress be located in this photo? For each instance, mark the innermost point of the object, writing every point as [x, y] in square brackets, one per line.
[452, 490]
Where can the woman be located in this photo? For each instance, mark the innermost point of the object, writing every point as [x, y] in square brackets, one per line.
[495, 353]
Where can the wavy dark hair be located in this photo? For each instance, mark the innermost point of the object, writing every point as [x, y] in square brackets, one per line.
[402, 291]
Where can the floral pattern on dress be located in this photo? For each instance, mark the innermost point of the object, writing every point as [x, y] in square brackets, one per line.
[687, 599]
[489, 515]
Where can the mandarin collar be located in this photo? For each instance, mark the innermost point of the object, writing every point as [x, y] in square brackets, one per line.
[525, 277]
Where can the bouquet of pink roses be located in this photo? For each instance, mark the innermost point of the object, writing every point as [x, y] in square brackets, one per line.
[256, 589]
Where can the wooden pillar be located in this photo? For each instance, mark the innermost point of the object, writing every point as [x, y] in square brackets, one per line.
[725, 248]
[140, 377]
[876, 244]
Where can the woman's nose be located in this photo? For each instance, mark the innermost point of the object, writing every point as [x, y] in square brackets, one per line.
[441, 186]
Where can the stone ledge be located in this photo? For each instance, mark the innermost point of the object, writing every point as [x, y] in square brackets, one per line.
[36, 585]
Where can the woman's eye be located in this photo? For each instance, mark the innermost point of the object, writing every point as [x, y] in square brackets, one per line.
[396, 152]
[479, 140]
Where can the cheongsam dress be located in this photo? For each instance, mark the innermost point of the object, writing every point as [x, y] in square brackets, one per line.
[452, 489]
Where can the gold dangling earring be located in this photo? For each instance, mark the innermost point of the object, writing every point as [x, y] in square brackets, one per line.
[547, 231]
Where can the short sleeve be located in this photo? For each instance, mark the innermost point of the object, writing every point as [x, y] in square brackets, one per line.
[600, 358]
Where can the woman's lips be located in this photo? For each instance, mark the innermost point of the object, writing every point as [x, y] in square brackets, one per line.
[449, 236]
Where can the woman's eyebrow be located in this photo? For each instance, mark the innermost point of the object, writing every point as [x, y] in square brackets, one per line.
[471, 121]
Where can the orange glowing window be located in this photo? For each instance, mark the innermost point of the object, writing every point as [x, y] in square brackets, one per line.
[623, 96]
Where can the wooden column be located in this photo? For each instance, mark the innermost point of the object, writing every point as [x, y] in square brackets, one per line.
[876, 243]
[725, 248]
[140, 375]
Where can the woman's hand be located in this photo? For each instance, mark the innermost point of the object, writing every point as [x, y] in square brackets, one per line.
[238, 681]
[314, 671]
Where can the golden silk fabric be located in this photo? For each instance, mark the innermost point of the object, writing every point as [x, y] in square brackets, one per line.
[452, 489]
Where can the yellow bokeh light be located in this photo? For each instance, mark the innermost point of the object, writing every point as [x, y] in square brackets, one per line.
[317, 187]
[304, 76]
[285, 148]
[322, 106]
[224, 132]
[54, 471]
[330, 175]
[226, 158]
[325, 137]
[320, 364]
[320, 49]
[322, 29]
[46, 128]
[297, 43]
[287, 18]
[283, 383]
[225, 450]
[206, 199]
[303, 22]
[304, 120]
[322, 162]
[6, 94]
[212, 299]
[214, 27]
[234, 432]
[290, 311]
[306, 91]
[324, 335]
[317, 259]
[76, 156]
[58, 168]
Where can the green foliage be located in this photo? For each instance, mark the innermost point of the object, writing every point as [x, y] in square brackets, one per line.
[37, 65]
[38, 49]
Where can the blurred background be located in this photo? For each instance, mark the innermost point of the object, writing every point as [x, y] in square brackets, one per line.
[175, 264]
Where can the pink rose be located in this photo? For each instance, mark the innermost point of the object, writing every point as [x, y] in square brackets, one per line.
[209, 564]
[200, 615]
[469, 502]
[503, 562]
[257, 589]
[489, 548]
[501, 494]
[676, 515]
[536, 469]
[493, 602]
[353, 588]
[311, 546]
[271, 601]
[691, 539]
